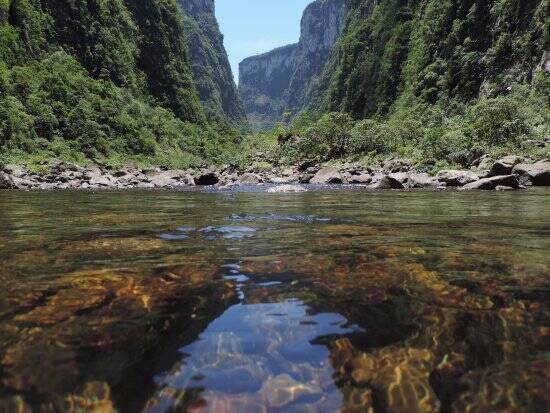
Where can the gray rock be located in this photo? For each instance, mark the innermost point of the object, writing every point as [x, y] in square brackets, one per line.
[249, 179]
[100, 181]
[386, 182]
[6, 181]
[305, 178]
[327, 175]
[484, 163]
[422, 181]
[457, 178]
[503, 188]
[504, 166]
[537, 174]
[415, 180]
[15, 170]
[284, 179]
[360, 179]
[162, 179]
[492, 182]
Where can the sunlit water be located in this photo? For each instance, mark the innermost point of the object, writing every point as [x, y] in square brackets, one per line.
[323, 301]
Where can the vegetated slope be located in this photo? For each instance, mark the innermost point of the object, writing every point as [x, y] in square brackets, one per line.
[212, 72]
[432, 50]
[99, 79]
[442, 82]
[278, 81]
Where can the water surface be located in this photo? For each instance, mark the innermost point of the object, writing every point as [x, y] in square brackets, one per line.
[323, 301]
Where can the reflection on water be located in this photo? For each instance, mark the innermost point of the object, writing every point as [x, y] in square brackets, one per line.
[257, 356]
[254, 302]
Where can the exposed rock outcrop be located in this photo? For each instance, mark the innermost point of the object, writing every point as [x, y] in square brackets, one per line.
[278, 81]
[210, 65]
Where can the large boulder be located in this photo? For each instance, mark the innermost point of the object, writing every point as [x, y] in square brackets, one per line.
[415, 180]
[537, 174]
[504, 166]
[6, 181]
[327, 175]
[456, 178]
[494, 182]
[386, 182]
[422, 180]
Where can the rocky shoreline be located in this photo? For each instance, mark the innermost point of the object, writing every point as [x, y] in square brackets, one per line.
[508, 173]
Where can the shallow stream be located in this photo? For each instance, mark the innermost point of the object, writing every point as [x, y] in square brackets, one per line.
[323, 301]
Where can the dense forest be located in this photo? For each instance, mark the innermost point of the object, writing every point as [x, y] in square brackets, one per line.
[438, 81]
[101, 80]
[148, 82]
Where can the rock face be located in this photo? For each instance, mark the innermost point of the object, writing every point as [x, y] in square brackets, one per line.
[278, 81]
[210, 65]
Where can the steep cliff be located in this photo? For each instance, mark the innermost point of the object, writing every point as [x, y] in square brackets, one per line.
[395, 51]
[279, 81]
[210, 65]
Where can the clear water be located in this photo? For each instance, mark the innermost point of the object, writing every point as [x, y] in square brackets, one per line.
[323, 301]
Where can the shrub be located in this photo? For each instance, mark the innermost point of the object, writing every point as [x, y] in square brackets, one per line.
[497, 122]
[368, 136]
[329, 137]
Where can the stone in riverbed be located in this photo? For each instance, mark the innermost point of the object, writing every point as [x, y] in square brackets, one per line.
[493, 182]
[537, 174]
[415, 180]
[457, 178]
[386, 182]
[327, 175]
[360, 179]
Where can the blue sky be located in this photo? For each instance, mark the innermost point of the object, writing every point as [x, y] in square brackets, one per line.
[255, 26]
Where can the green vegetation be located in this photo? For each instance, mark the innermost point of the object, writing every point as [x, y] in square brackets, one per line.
[112, 81]
[432, 51]
[434, 136]
[103, 81]
[210, 66]
[54, 109]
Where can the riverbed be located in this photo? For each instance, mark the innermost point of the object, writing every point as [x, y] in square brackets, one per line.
[246, 301]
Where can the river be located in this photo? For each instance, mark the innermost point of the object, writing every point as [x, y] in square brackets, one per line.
[245, 301]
